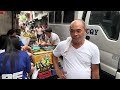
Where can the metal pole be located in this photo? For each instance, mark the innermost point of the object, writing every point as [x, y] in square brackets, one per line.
[12, 19]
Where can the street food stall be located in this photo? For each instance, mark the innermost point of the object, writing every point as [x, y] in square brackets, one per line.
[43, 61]
[42, 56]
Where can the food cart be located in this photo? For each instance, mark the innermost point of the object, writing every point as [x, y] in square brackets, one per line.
[43, 62]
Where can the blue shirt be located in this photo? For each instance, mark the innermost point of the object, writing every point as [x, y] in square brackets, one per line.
[22, 64]
[21, 43]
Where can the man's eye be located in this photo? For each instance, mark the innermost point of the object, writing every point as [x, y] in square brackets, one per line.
[71, 31]
[78, 30]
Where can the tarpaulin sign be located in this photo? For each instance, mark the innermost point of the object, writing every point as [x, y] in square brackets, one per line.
[2, 12]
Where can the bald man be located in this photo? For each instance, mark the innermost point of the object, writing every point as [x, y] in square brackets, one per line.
[81, 58]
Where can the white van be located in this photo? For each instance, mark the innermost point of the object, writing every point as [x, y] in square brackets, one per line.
[103, 30]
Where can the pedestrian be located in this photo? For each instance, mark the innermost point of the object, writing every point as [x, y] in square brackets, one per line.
[39, 31]
[11, 32]
[3, 42]
[16, 33]
[14, 63]
[81, 58]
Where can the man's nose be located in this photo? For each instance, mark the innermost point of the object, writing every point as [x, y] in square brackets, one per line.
[75, 33]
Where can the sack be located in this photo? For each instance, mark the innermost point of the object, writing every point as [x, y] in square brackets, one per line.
[25, 40]
[35, 73]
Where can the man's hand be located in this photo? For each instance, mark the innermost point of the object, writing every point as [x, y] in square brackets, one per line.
[26, 48]
[61, 74]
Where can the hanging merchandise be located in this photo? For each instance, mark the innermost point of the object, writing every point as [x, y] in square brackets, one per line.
[23, 18]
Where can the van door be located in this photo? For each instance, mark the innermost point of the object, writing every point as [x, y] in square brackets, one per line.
[103, 29]
[117, 76]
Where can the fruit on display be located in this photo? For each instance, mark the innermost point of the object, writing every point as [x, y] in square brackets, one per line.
[23, 30]
[48, 62]
[32, 36]
[43, 61]
[44, 64]
[26, 34]
[37, 66]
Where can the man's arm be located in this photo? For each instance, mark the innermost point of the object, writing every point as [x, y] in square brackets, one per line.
[55, 62]
[59, 72]
[52, 42]
[95, 71]
[48, 44]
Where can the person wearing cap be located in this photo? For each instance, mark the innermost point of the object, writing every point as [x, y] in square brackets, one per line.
[50, 37]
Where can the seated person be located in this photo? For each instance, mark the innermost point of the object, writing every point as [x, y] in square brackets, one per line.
[11, 32]
[16, 33]
[50, 38]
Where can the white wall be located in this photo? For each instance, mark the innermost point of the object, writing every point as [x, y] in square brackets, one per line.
[5, 22]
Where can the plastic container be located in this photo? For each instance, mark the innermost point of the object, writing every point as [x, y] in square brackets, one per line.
[45, 74]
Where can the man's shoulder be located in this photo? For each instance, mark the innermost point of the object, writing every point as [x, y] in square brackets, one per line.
[63, 42]
[54, 34]
[91, 44]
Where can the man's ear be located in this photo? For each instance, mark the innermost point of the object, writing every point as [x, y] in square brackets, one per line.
[86, 30]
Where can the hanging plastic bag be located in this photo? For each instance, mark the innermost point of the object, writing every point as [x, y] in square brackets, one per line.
[25, 40]
[35, 73]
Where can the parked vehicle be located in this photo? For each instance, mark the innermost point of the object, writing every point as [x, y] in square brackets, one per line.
[103, 29]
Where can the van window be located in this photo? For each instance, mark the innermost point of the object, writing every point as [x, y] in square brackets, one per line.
[58, 16]
[51, 17]
[84, 15]
[68, 16]
[109, 22]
